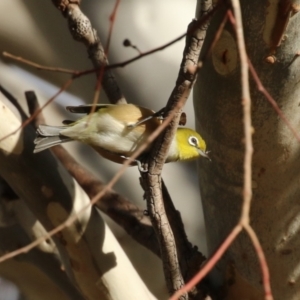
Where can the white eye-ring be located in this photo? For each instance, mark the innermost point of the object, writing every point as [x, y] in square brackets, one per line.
[193, 141]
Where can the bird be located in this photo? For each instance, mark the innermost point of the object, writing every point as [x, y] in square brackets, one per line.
[117, 131]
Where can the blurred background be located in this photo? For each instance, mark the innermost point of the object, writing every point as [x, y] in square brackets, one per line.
[37, 31]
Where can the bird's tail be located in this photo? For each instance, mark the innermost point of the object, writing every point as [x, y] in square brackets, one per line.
[49, 136]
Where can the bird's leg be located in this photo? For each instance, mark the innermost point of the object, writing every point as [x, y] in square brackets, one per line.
[143, 162]
[138, 163]
[141, 167]
[160, 114]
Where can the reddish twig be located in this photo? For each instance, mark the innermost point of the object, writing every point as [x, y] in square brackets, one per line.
[246, 102]
[197, 24]
[216, 38]
[271, 100]
[102, 67]
[247, 191]
[29, 120]
[112, 19]
[38, 66]
[284, 11]
[262, 261]
[210, 263]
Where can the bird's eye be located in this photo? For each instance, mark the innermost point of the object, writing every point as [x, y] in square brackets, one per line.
[193, 141]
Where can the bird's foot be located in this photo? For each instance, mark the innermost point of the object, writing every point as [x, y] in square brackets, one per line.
[139, 164]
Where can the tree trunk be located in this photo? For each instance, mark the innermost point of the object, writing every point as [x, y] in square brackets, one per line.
[218, 105]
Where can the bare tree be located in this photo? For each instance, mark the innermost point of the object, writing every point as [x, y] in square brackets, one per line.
[249, 189]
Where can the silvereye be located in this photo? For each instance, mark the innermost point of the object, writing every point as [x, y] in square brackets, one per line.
[117, 131]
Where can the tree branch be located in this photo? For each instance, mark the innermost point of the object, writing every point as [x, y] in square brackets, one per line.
[82, 30]
[173, 252]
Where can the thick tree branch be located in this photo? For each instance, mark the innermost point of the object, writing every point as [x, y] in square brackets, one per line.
[190, 257]
[172, 252]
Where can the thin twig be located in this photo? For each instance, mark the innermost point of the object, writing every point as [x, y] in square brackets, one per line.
[272, 101]
[210, 263]
[37, 66]
[262, 261]
[33, 106]
[197, 24]
[112, 20]
[29, 120]
[217, 36]
[246, 101]
[101, 71]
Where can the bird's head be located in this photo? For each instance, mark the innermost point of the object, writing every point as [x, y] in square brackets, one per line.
[189, 144]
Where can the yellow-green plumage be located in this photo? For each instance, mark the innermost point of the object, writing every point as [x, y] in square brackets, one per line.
[110, 131]
[189, 151]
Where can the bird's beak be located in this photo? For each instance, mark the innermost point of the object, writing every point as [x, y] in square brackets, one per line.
[204, 154]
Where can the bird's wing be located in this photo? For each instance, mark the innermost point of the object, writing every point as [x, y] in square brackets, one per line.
[85, 109]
